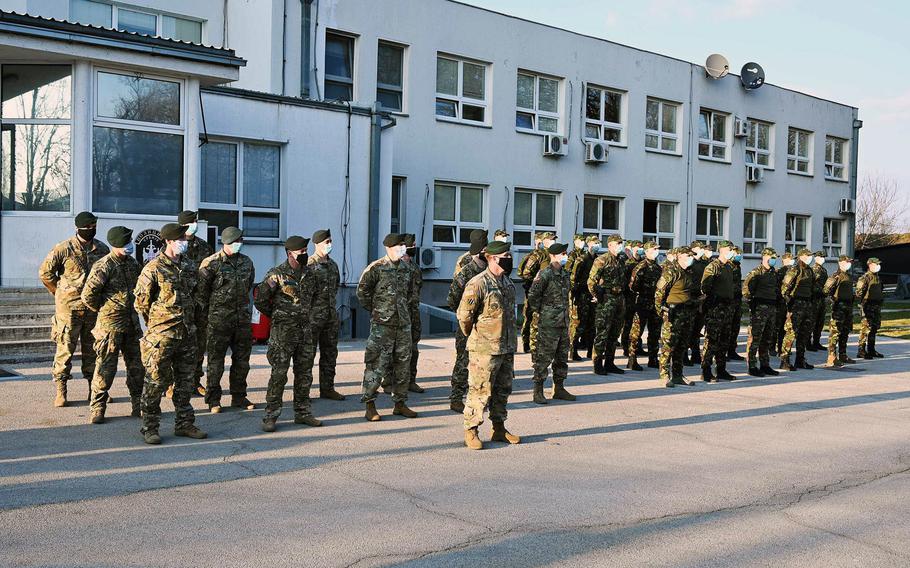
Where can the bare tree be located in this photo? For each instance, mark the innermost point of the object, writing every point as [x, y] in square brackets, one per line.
[880, 211]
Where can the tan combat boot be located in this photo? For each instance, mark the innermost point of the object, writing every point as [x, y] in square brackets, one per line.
[97, 417]
[401, 409]
[190, 431]
[268, 424]
[472, 440]
[560, 393]
[539, 398]
[371, 414]
[60, 399]
[307, 419]
[833, 361]
[500, 434]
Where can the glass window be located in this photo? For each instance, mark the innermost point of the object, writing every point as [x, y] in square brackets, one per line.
[601, 216]
[833, 236]
[537, 99]
[390, 76]
[712, 135]
[798, 142]
[835, 164]
[339, 67]
[471, 204]
[397, 199]
[661, 127]
[461, 202]
[137, 22]
[92, 13]
[139, 99]
[603, 115]
[261, 171]
[755, 231]
[659, 223]
[219, 173]
[796, 233]
[758, 144]
[461, 90]
[181, 28]
[36, 91]
[533, 211]
[709, 224]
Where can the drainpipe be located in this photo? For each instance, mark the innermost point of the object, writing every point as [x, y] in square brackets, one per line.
[854, 166]
[375, 159]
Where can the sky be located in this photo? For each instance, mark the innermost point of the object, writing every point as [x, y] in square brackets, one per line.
[856, 53]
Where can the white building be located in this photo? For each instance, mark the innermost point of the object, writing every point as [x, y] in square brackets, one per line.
[468, 96]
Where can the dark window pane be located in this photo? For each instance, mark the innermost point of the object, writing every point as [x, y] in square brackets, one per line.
[260, 225]
[261, 175]
[524, 120]
[36, 91]
[472, 80]
[701, 221]
[446, 76]
[445, 108]
[338, 91]
[610, 216]
[591, 213]
[396, 205]
[390, 100]
[443, 234]
[136, 98]
[649, 217]
[521, 211]
[652, 110]
[389, 67]
[521, 238]
[339, 56]
[469, 112]
[464, 235]
[592, 104]
[36, 167]
[444, 203]
[612, 107]
[219, 219]
[219, 173]
[137, 22]
[471, 205]
[546, 210]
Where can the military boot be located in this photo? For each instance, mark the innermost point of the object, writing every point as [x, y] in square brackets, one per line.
[756, 372]
[526, 346]
[500, 434]
[803, 364]
[242, 402]
[401, 409]
[414, 387]
[872, 348]
[633, 365]
[539, 398]
[599, 366]
[331, 394]
[766, 369]
[724, 375]
[588, 355]
[818, 345]
[97, 417]
[610, 365]
[137, 407]
[652, 361]
[785, 364]
[560, 392]
[60, 399]
[190, 431]
[845, 359]
[472, 440]
[268, 424]
[732, 355]
[151, 437]
[307, 419]
[696, 357]
[833, 361]
[861, 353]
[371, 414]
[707, 375]
[457, 406]
[575, 355]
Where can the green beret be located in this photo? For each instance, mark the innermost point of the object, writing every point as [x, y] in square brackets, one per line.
[651, 245]
[557, 248]
[478, 234]
[173, 231]
[724, 244]
[85, 219]
[614, 239]
[804, 252]
[592, 239]
[683, 250]
[296, 242]
[119, 236]
[500, 233]
[873, 260]
[498, 247]
[409, 239]
[696, 244]
[844, 258]
[187, 217]
[321, 235]
[231, 235]
[392, 239]
[768, 251]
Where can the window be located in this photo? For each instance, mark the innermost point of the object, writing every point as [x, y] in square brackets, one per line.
[134, 20]
[799, 151]
[307, 60]
[659, 223]
[755, 231]
[398, 189]
[712, 135]
[339, 67]
[797, 232]
[35, 144]
[604, 115]
[461, 90]
[457, 210]
[834, 158]
[758, 144]
[661, 126]
[709, 224]
[254, 204]
[533, 211]
[833, 238]
[390, 76]
[537, 99]
[601, 216]
[137, 145]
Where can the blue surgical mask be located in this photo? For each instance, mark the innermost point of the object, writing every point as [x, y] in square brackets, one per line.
[129, 249]
[328, 248]
[192, 228]
[738, 258]
[563, 261]
[235, 247]
[182, 246]
[689, 262]
[772, 261]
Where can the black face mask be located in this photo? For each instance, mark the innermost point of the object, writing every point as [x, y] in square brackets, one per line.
[302, 258]
[505, 263]
[411, 252]
[87, 234]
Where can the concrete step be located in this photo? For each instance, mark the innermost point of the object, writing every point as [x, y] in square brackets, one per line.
[25, 331]
[26, 301]
[27, 350]
[28, 295]
[26, 318]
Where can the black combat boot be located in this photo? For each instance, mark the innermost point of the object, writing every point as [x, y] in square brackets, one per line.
[732, 355]
[610, 365]
[801, 363]
[756, 372]
[599, 366]
[872, 348]
[652, 359]
[707, 375]
[633, 364]
[724, 375]
[696, 357]
[539, 398]
[844, 358]
[575, 355]
[766, 369]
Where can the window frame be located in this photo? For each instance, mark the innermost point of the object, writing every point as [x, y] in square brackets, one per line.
[459, 99]
[601, 124]
[159, 15]
[753, 240]
[828, 245]
[397, 218]
[726, 143]
[845, 146]
[536, 113]
[755, 150]
[659, 133]
[656, 236]
[534, 227]
[810, 142]
[402, 89]
[792, 245]
[723, 225]
[327, 78]
[600, 230]
[458, 224]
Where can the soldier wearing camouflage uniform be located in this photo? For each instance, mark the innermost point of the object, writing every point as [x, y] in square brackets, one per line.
[606, 284]
[63, 273]
[197, 251]
[702, 256]
[324, 316]
[108, 291]
[675, 298]
[287, 295]
[501, 236]
[717, 286]
[869, 294]
[223, 293]
[165, 298]
[737, 315]
[633, 257]
[465, 259]
[786, 261]
[576, 255]
[410, 257]
[762, 293]
[486, 317]
[527, 271]
[839, 287]
[581, 306]
[549, 298]
[386, 291]
[796, 290]
[642, 283]
[819, 301]
[456, 290]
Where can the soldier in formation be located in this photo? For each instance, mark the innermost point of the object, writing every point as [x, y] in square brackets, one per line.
[839, 287]
[197, 250]
[701, 257]
[718, 287]
[581, 316]
[675, 298]
[642, 283]
[796, 290]
[762, 293]
[869, 294]
[323, 315]
[635, 252]
[819, 301]
[606, 283]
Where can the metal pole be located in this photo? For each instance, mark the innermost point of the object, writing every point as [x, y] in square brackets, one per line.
[854, 166]
[375, 159]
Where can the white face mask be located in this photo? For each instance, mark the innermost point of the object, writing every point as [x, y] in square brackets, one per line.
[697, 252]
[819, 260]
[875, 268]
[687, 261]
[805, 259]
[181, 246]
[652, 253]
[788, 262]
[562, 260]
[192, 228]
[328, 248]
[845, 266]
[129, 249]
[501, 239]
[729, 255]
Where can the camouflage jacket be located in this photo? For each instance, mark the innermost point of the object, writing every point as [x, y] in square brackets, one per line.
[549, 297]
[461, 262]
[224, 287]
[643, 282]
[197, 250]
[456, 289]
[416, 287]
[579, 277]
[628, 266]
[821, 276]
[486, 314]
[607, 276]
[287, 295]
[869, 288]
[676, 286]
[737, 280]
[761, 284]
[839, 287]
[575, 255]
[328, 278]
[65, 269]
[109, 291]
[719, 281]
[530, 266]
[166, 297]
[797, 282]
[386, 290]
[698, 267]
[780, 273]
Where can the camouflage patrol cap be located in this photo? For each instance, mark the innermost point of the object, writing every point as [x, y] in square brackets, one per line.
[768, 251]
[296, 242]
[592, 239]
[578, 237]
[173, 231]
[804, 252]
[787, 254]
[873, 260]
[696, 244]
[650, 245]
[683, 250]
[409, 239]
[85, 219]
[634, 244]
[500, 233]
[119, 236]
[547, 235]
[231, 235]
[820, 253]
[558, 248]
[498, 247]
[844, 258]
[724, 244]
[614, 239]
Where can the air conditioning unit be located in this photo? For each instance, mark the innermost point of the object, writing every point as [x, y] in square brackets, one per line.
[597, 152]
[741, 128]
[554, 145]
[754, 174]
[847, 207]
[430, 257]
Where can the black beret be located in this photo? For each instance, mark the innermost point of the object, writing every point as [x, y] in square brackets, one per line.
[498, 247]
[392, 240]
[296, 243]
[321, 235]
[409, 239]
[231, 235]
[477, 246]
[479, 234]
[187, 217]
[85, 219]
[173, 231]
[557, 248]
[119, 236]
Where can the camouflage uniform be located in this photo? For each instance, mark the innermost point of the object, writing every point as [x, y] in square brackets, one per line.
[869, 294]
[675, 298]
[386, 290]
[581, 313]
[486, 317]
[287, 295]
[819, 302]
[461, 262]
[797, 293]
[717, 285]
[549, 298]
[165, 298]
[629, 296]
[224, 288]
[65, 270]
[456, 291]
[839, 287]
[198, 250]
[527, 270]
[324, 318]
[416, 287]
[606, 283]
[642, 283]
[736, 315]
[109, 292]
[761, 291]
[781, 315]
[575, 257]
[698, 317]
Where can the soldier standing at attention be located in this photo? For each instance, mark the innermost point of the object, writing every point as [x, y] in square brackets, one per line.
[819, 301]
[223, 294]
[797, 293]
[702, 257]
[456, 290]
[549, 298]
[762, 293]
[476, 235]
[642, 282]
[543, 259]
[486, 317]
[63, 273]
[527, 270]
[839, 287]
[108, 291]
[606, 284]
[737, 315]
[786, 261]
[576, 255]
[581, 330]
[166, 300]
[324, 315]
[410, 258]
[717, 284]
[869, 294]
[386, 292]
[287, 294]
[675, 297]
[634, 256]
[197, 251]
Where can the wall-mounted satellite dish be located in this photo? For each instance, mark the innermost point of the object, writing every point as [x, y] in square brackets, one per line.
[717, 66]
[752, 76]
